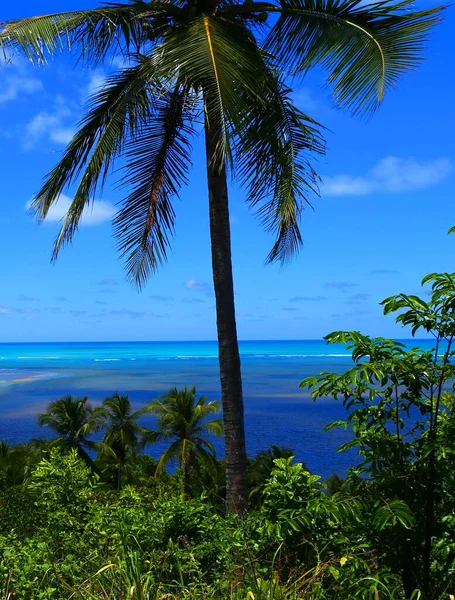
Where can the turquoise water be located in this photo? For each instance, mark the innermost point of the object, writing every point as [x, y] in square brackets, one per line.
[276, 410]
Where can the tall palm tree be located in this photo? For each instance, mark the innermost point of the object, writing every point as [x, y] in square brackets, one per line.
[73, 420]
[123, 432]
[224, 62]
[182, 419]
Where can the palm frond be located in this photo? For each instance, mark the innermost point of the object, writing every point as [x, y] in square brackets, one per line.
[114, 112]
[214, 427]
[220, 59]
[153, 437]
[93, 34]
[365, 48]
[157, 166]
[170, 454]
[272, 155]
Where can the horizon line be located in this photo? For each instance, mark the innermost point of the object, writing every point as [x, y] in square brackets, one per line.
[213, 341]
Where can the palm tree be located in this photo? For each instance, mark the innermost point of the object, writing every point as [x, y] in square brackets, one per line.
[225, 63]
[73, 420]
[16, 463]
[123, 433]
[182, 419]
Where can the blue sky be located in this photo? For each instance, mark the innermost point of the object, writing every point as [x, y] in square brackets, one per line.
[378, 228]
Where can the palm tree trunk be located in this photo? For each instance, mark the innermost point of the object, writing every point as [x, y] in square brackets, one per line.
[229, 358]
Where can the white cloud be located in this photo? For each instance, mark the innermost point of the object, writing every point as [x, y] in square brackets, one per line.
[97, 213]
[14, 86]
[4, 310]
[62, 135]
[50, 125]
[15, 80]
[198, 286]
[390, 175]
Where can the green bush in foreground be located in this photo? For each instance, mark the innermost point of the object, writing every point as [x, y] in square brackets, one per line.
[83, 540]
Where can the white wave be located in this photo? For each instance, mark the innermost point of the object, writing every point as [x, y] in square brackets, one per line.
[195, 357]
[303, 355]
[107, 359]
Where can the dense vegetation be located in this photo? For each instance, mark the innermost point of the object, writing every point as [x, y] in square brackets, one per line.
[223, 65]
[102, 520]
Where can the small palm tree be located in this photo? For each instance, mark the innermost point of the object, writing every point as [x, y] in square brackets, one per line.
[182, 419]
[123, 434]
[16, 463]
[73, 420]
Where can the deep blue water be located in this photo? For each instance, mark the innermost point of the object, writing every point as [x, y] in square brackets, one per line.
[276, 410]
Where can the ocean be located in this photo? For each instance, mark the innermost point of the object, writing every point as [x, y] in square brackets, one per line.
[276, 410]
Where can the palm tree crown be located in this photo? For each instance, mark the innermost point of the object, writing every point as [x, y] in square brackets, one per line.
[123, 432]
[73, 420]
[220, 57]
[183, 421]
[223, 63]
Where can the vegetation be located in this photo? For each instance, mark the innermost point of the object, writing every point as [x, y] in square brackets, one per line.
[73, 420]
[69, 529]
[182, 420]
[225, 64]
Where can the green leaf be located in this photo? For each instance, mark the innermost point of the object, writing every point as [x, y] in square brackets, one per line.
[365, 48]
[156, 168]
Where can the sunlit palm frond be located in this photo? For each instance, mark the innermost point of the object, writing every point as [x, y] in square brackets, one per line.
[157, 166]
[220, 59]
[114, 112]
[214, 427]
[272, 152]
[72, 419]
[365, 48]
[93, 34]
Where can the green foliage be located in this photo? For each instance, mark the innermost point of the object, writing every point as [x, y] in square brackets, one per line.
[260, 470]
[183, 421]
[399, 404]
[123, 437]
[73, 420]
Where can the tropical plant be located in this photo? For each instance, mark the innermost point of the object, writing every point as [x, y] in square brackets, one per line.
[16, 463]
[400, 407]
[73, 420]
[260, 470]
[183, 420]
[225, 63]
[123, 432]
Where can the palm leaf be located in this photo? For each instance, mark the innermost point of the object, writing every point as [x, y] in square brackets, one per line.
[157, 166]
[365, 48]
[114, 112]
[220, 59]
[93, 33]
[274, 143]
[172, 453]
